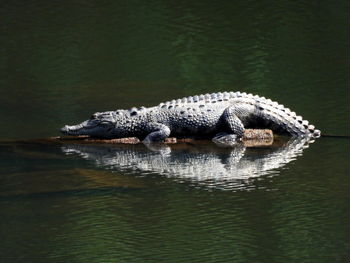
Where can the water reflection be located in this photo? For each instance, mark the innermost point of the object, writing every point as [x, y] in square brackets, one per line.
[200, 164]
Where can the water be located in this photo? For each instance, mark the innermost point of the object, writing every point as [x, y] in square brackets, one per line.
[60, 62]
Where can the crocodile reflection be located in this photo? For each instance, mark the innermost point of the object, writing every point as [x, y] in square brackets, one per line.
[202, 164]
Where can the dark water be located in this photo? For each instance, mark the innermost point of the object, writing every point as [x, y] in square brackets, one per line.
[62, 61]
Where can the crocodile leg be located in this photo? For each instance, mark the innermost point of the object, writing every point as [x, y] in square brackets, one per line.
[234, 125]
[157, 132]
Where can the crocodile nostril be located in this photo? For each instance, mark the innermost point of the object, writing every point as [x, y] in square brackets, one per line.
[65, 129]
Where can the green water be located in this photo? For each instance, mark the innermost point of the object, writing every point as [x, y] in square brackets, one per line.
[62, 61]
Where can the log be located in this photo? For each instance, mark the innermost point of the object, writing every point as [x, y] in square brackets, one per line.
[257, 138]
[257, 134]
[251, 137]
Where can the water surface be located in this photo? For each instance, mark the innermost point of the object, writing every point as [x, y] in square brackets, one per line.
[62, 61]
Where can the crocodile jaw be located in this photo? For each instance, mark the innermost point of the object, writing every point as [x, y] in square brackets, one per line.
[84, 128]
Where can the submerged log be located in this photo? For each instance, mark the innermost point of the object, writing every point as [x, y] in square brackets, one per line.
[251, 137]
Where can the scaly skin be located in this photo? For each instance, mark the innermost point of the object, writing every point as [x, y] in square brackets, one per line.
[226, 114]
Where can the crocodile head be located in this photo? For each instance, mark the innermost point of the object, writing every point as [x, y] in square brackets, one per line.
[101, 125]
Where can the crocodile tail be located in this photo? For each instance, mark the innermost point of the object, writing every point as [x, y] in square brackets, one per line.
[286, 119]
[293, 123]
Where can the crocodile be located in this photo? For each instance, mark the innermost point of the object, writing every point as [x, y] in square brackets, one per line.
[221, 115]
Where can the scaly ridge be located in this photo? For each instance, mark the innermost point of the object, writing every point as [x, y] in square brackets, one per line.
[294, 124]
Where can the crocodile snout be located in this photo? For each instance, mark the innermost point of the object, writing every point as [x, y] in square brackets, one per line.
[71, 130]
[64, 129]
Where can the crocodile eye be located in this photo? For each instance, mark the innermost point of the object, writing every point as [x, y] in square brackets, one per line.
[104, 123]
[94, 116]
